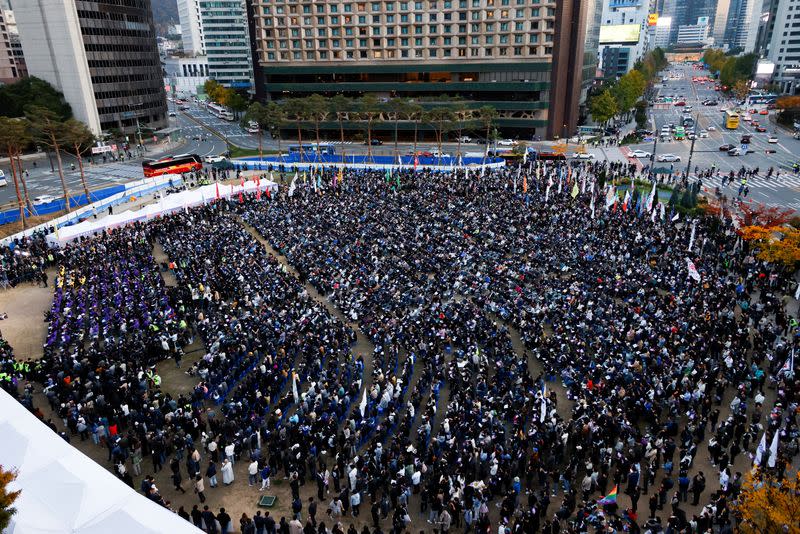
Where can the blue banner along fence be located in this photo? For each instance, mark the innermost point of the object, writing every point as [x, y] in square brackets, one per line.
[75, 201]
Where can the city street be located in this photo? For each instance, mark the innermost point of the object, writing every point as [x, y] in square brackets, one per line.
[783, 189]
[43, 181]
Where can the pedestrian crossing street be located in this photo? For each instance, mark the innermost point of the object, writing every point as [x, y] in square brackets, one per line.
[785, 180]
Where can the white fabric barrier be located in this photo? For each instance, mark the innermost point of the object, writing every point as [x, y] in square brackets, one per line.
[137, 188]
[167, 204]
[65, 491]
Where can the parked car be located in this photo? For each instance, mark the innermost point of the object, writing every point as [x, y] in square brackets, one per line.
[43, 199]
[3, 181]
[374, 142]
[772, 139]
[506, 142]
[668, 157]
[214, 159]
[725, 148]
[465, 139]
[640, 154]
[582, 155]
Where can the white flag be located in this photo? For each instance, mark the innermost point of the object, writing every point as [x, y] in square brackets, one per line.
[295, 394]
[363, 406]
[293, 185]
[773, 449]
[691, 237]
[547, 191]
[591, 205]
[693, 274]
[543, 412]
[663, 211]
[762, 447]
[652, 197]
[788, 367]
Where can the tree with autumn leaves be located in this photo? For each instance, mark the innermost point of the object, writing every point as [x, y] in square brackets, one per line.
[7, 498]
[768, 505]
[765, 229]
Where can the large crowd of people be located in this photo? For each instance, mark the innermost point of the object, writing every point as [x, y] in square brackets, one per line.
[537, 340]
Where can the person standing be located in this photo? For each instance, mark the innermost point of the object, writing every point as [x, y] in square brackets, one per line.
[199, 488]
[197, 516]
[265, 473]
[227, 472]
[698, 485]
[210, 520]
[224, 521]
[211, 473]
[252, 472]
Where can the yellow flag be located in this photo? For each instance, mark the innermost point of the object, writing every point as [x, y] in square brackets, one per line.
[575, 189]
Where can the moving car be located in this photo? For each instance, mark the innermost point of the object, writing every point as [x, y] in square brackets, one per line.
[680, 103]
[506, 142]
[214, 159]
[640, 154]
[746, 139]
[760, 129]
[582, 155]
[725, 148]
[703, 134]
[669, 157]
[173, 114]
[43, 199]
[374, 142]
[737, 151]
[712, 128]
[763, 112]
[772, 139]
[710, 103]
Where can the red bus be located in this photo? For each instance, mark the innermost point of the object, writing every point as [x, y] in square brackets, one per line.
[172, 165]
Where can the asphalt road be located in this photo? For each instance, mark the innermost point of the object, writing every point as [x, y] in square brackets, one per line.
[783, 188]
[43, 181]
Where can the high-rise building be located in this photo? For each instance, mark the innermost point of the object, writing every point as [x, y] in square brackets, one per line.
[742, 27]
[191, 28]
[624, 36]
[226, 39]
[102, 54]
[784, 46]
[12, 60]
[510, 54]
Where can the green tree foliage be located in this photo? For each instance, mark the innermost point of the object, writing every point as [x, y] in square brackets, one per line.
[732, 69]
[603, 107]
[7, 498]
[237, 103]
[628, 90]
[32, 91]
[213, 89]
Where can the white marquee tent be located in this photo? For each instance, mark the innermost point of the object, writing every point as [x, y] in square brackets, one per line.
[65, 491]
[168, 204]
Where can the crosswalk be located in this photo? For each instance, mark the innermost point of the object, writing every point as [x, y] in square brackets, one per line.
[775, 183]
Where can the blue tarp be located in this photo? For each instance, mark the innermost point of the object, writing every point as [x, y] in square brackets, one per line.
[58, 205]
[363, 159]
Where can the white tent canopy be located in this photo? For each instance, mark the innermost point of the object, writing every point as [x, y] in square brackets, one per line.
[168, 204]
[65, 491]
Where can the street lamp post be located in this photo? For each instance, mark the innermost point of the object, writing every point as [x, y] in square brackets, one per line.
[655, 144]
[691, 148]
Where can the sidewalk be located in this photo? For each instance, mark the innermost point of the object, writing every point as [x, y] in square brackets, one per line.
[153, 149]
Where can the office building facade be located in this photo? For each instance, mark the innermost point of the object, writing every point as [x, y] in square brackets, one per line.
[784, 46]
[624, 35]
[184, 76]
[102, 54]
[12, 60]
[226, 38]
[191, 28]
[510, 54]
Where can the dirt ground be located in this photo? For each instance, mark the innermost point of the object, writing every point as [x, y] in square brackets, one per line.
[25, 328]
